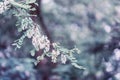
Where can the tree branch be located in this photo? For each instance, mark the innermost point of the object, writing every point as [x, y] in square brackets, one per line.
[40, 18]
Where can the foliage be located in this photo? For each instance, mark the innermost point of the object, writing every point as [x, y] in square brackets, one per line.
[31, 30]
[93, 26]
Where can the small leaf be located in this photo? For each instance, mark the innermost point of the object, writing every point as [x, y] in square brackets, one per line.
[14, 44]
[77, 66]
[36, 63]
[19, 29]
[40, 57]
[30, 1]
[33, 9]
[32, 52]
[18, 46]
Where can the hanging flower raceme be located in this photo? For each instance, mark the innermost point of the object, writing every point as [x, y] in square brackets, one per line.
[39, 41]
[29, 33]
[63, 58]
[54, 55]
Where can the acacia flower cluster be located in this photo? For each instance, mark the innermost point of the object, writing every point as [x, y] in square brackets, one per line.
[39, 41]
[55, 54]
[5, 5]
[63, 58]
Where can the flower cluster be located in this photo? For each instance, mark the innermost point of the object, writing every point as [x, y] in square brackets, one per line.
[32, 30]
[4, 6]
[39, 41]
[63, 58]
[55, 54]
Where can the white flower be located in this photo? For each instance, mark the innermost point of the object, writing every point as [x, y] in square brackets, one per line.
[34, 42]
[41, 45]
[47, 44]
[4, 6]
[54, 44]
[47, 41]
[1, 7]
[41, 42]
[47, 48]
[63, 58]
[6, 2]
[36, 31]
[38, 40]
[54, 55]
[29, 33]
[58, 52]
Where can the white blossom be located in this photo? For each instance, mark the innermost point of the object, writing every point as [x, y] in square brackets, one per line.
[63, 58]
[58, 52]
[1, 7]
[36, 30]
[54, 55]
[47, 48]
[35, 42]
[41, 45]
[54, 44]
[4, 6]
[38, 40]
[29, 33]
[6, 2]
[47, 45]
[41, 42]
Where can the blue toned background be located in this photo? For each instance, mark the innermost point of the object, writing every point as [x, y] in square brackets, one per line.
[91, 25]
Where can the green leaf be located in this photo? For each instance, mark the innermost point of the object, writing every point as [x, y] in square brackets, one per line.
[36, 62]
[18, 46]
[14, 44]
[39, 58]
[16, 4]
[32, 52]
[19, 29]
[30, 1]
[77, 66]
[33, 9]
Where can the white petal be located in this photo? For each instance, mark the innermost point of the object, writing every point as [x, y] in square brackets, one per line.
[63, 58]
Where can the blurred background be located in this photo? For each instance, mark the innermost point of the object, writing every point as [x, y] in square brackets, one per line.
[91, 25]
